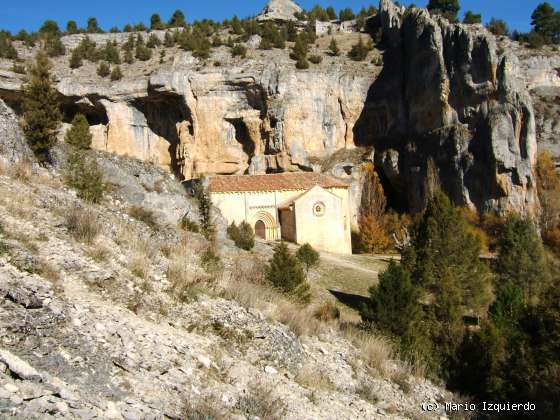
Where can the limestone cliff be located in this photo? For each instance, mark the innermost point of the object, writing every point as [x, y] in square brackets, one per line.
[448, 112]
[447, 109]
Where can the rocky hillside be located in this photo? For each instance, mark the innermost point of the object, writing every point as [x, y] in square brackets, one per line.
[109, 311]
[439, 104]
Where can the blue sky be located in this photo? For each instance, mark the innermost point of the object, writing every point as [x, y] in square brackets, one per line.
[29, 14]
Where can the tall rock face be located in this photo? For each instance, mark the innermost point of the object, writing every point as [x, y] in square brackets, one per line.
[444, 111]
[226, 121]
[447, 112]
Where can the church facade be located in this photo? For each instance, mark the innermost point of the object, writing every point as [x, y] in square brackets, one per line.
[300, 207]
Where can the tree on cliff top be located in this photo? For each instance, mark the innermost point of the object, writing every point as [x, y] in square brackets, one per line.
[447, 8]
[546, 22]
[41, 116]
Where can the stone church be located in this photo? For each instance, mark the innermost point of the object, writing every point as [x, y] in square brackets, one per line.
[300, 207]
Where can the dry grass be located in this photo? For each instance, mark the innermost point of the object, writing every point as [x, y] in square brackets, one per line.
[139, 265]
[52, 274]
[327, 311]
[300, 320]
[376, 351]
[98, 252]
[366, 392]
[144, 215]
[259, 401]
[82, 224]
[22, 171]
[20, 206]
[184, 284]
[312, 378]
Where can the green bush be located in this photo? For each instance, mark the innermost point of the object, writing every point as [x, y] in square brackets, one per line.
[110, 53]
[315, 59]
[333, 48]
[103, 70]
[76, 60]
[286, 274]
[153, 41]
[78, 135]
[535, 40]
[54, 46]
[242, 235]
[188, 224]
[239, 50]
[308, 256]
[393, 307]
[359, 51]
[116, 74]
[210, 261]
[83, 174]
[205, 211]
[302, 64]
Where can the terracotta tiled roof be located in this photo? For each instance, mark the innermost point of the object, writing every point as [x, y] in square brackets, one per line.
[273, 182]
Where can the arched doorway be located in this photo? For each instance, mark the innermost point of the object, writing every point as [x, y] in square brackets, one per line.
[265, 226]
[260, 229]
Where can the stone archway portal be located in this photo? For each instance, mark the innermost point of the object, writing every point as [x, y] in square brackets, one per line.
[265, 226]
[260, 229]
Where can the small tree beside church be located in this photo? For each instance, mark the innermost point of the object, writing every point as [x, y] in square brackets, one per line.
[243, 235]
[308, 256]
[286, 274]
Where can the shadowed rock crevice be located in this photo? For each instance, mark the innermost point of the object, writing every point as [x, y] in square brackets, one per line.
[451, 114]
[243, 137]
[93, 110]
[164, 113]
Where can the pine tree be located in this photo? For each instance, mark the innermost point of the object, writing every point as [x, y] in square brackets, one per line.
[521, 259]
[153, 41]
[359, 51]
[333, 48]
[111, 53]
[103, 69]
[286, 273]
[76, 59]
[92, 26]
[443, 259]
[177, 20]
[472, 18]
[156, 23]
[308, 256]
[41, 117]
[128, 57]
[546, 22]
[143, 53]
[78, 135]
[393, 307]
[447, 8]
[116, 74]
[205, 211]
[83, 174]
[71, 27]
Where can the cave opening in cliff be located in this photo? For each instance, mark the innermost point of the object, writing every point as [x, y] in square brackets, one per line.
[93, 111]
[242, 137]
[163, 112]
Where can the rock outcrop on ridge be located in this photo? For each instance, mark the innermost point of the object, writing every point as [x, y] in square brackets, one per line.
[281, 10]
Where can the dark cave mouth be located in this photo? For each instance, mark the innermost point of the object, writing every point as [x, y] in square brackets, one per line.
[163, 111]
